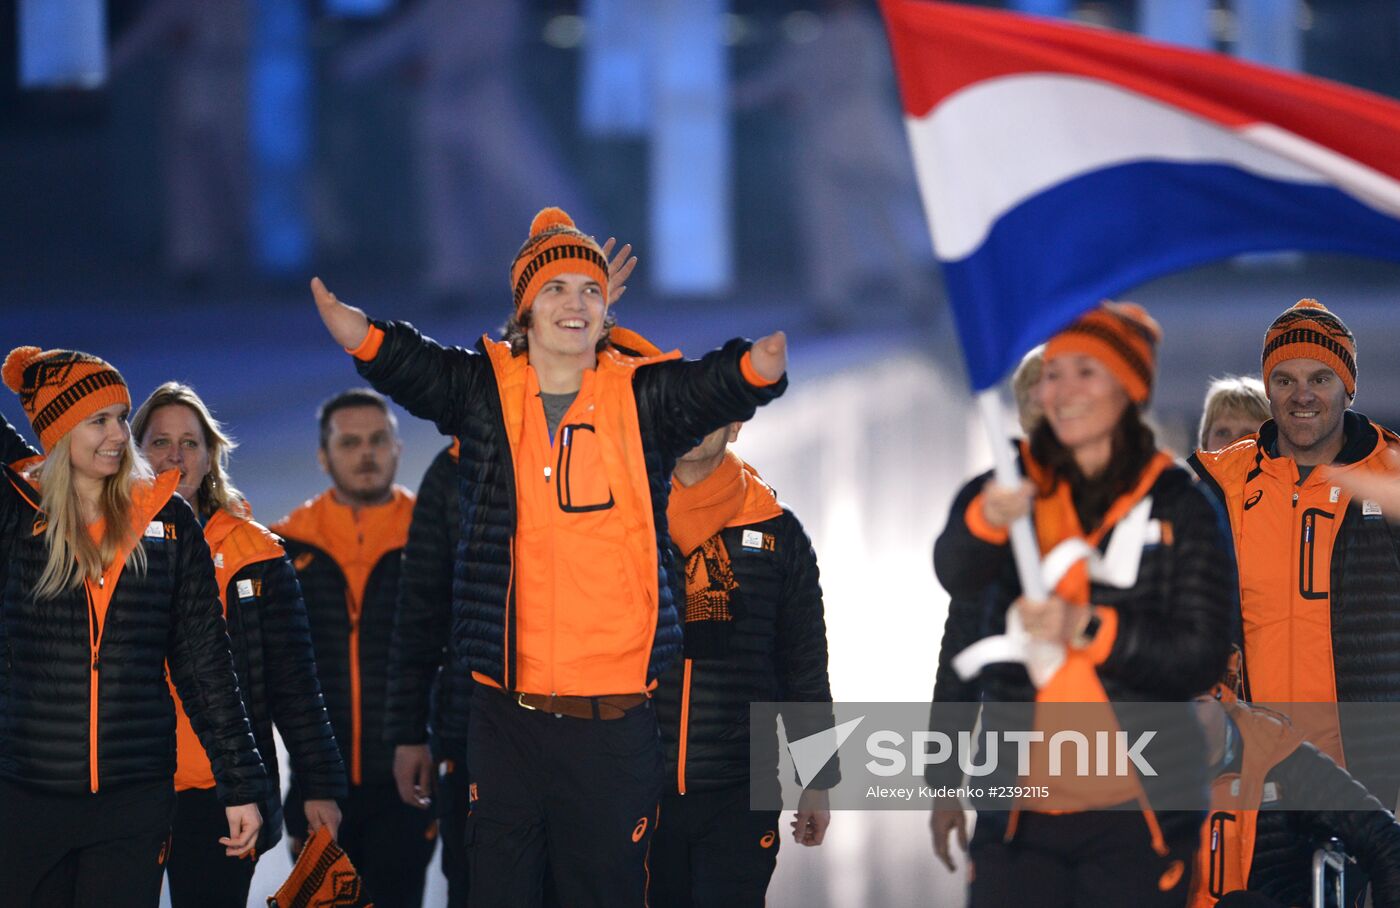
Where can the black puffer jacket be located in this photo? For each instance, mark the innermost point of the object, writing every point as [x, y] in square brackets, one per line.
[48, 675]
[352, 657]
[678, 403]
[1285, 839]
[427, 690]
[276, 666]
[1173, 626]
[775, 651]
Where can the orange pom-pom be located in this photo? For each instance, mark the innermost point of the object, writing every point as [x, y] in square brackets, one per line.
[1309, 304]
[549, 219]
[15, 364]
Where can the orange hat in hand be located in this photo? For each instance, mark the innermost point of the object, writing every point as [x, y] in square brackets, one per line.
[322, 878]
[60, 388]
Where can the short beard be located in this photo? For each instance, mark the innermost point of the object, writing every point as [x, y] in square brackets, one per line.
[371, 496]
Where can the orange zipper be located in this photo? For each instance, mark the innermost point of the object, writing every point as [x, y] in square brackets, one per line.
[685, 728]
[355, 703]
[94, 634]
[505, 625]
[97, 623]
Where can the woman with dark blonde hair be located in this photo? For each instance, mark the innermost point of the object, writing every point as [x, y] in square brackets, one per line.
[105, 581]
[272, 654]
[1142, 616]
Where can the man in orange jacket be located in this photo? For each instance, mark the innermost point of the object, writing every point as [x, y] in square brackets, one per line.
[568, 606]
[346, 545]
[1319, 567]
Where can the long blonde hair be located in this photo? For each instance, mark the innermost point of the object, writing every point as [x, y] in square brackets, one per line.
[73, 556]
[216, 490]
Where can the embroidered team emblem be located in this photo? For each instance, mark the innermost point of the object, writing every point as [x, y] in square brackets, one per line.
[763, 542]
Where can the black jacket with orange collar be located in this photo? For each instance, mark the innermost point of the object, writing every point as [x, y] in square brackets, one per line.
[81, 718]
[1172, 639]
[276, 666]
[1319, 591]
[774, 649]
[677, 401]
[349, 570]
[1277, 800]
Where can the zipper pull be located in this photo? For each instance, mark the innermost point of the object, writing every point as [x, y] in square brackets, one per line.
[96, 662]
[1295, 499]
[547, 473]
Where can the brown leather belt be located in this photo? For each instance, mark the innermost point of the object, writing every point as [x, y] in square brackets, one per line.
[611, 706]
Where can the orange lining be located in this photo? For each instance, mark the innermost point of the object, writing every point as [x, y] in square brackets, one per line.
[369, 347]
[685, 728]
[978, 524]
[147, 500]
[751, 375]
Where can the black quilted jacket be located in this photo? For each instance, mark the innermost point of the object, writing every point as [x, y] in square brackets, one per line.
[776, 651]
[1173, 625]
[323, 588]
[170, 614]
[1285, 839]
[276, 666]
[428, 690]
[678, 403]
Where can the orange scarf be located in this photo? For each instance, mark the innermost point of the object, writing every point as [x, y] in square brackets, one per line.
[732, 495]
[1077, 680]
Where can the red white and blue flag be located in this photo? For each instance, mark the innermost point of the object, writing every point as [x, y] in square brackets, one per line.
[1061, 164]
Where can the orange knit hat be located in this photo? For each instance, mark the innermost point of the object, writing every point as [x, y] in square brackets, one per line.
[555, 247]
[60, 388]
[1307, 330]
[1123, 337]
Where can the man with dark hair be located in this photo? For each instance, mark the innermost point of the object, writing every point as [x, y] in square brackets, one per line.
[755, 631]
[350, 399]
[1319, 575]
[568, 605]
[346, 545]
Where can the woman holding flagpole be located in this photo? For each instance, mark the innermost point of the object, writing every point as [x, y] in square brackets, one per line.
[1139, 610]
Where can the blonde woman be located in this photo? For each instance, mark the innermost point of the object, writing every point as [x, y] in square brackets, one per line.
[1235, 407]
[105, 580]
[272, 654]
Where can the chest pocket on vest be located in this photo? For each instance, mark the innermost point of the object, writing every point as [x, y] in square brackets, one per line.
[1222, 828]
[583, 478]
[1314, 568]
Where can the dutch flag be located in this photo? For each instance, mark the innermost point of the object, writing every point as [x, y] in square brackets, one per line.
[1061, 164]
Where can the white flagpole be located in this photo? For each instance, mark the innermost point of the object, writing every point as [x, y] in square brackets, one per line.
[1023, 544]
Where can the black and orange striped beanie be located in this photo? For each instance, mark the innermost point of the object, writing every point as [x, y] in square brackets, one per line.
[60, 388]
[555, 247]
[1307, 330]
[1123, 337]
